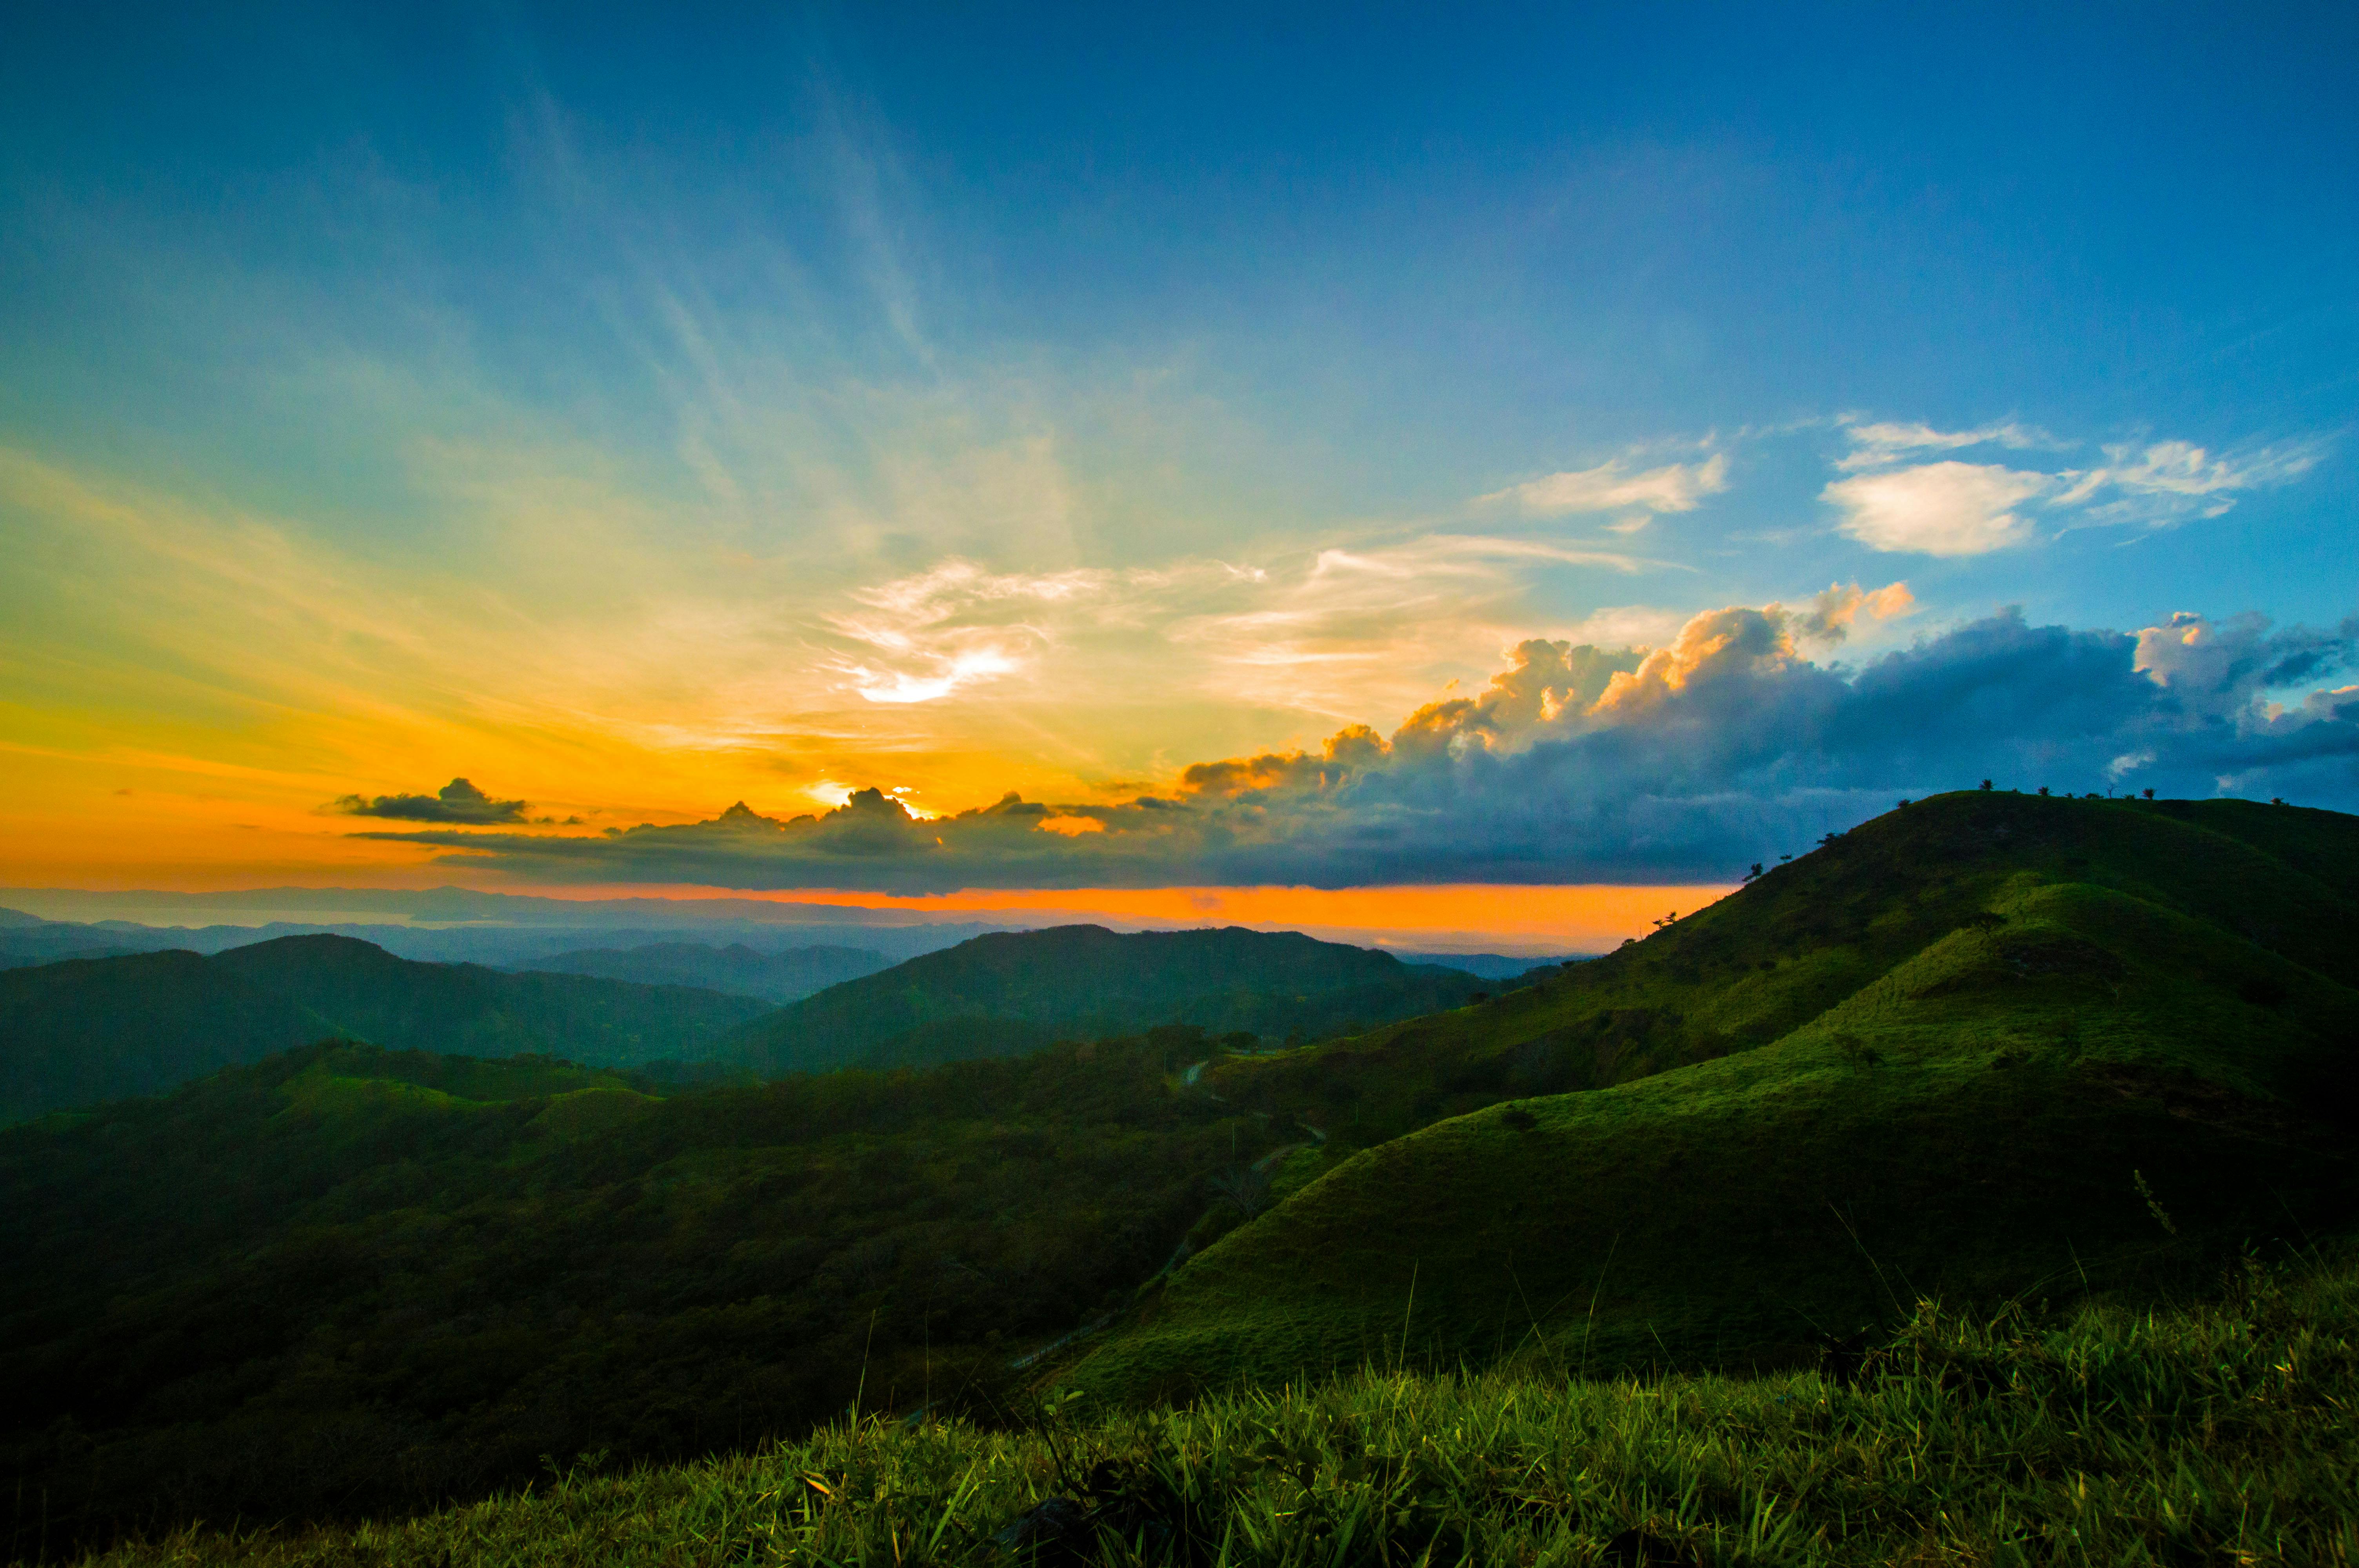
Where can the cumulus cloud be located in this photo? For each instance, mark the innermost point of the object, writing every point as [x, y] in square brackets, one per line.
[1947, 508]
[1613, 487]
[1950, 507]
[1828, 615]
[1577, 763]
[458, 801]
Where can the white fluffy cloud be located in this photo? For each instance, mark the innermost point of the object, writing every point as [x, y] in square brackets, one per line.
[1947, 508]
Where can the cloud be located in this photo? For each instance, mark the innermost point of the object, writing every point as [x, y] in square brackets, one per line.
[1829, 614]
[1879, 444]
[1581, 764]
[1937, 509]
[458, 801]
[2168, 481]
[1611, 487]
[1953, 508]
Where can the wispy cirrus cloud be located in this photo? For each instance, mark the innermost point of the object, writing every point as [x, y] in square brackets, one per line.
[1616, 486]
[1324, 631]
[1875, 443]
[2167, 480]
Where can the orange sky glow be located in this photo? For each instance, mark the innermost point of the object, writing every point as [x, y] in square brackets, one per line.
[1465, 917]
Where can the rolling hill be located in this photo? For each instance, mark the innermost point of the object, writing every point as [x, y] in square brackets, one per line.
[84, 1030]
[1001, 994]
[735, 970]
[1986, 1048]
[1983, 1047]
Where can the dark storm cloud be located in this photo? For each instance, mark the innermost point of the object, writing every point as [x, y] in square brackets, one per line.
[457, 802]
[1577, 764]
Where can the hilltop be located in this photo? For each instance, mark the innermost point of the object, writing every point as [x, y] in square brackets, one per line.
[1003, 993]
[84, 1030]
[1984, 1046]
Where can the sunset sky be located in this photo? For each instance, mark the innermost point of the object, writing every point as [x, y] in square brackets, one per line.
[1407, 453]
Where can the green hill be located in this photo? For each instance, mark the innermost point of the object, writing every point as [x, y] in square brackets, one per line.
[80, 1032]
[1014, 991]
[1979, 1046]
[736, 969]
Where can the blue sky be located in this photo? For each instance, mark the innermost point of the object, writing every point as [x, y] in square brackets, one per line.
[637, 413]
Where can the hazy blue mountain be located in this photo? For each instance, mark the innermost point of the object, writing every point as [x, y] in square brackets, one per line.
[513, 944]
[28, 939]
[737, 969]
[1005, 993]
[79, 1031]
[1487, 966]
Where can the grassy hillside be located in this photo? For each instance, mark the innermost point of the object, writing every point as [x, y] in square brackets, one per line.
[1983, 1046]
[736, 969]
[2214, 1431]
[80, 1032]
[1013, 991]
[344, 1280]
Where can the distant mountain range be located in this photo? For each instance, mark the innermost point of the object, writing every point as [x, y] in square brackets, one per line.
[1486, 966]
[736, 968]
[84, 1030]
[1000, 995]
[87, 1030]
[31, 939]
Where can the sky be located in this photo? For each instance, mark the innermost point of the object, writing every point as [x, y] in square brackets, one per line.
[927, 451]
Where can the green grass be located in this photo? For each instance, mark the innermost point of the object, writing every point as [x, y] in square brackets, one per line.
[1993, 1014]
[2221, 1431]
